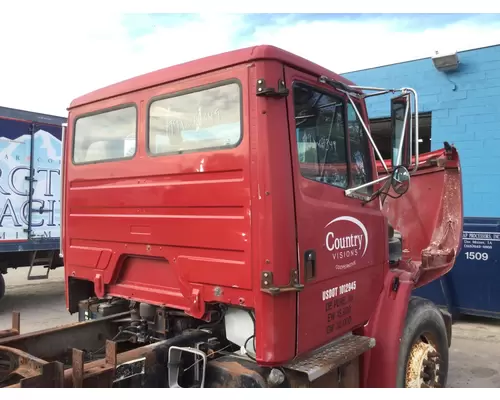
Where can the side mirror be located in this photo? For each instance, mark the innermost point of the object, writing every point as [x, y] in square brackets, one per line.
[400, 180]
[401, 125]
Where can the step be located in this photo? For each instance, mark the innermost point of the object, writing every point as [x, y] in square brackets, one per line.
[41, 261]
[332, 355]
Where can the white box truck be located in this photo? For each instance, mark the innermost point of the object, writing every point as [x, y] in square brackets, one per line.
[30, 192]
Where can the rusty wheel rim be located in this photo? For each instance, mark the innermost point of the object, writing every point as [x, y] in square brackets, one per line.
[423, 366]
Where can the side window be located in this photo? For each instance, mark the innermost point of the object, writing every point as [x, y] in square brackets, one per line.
[320, 130]
[361, 164]
[197, 121]
[106, 136]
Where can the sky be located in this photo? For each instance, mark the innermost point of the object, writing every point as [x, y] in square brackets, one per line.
[46, 61]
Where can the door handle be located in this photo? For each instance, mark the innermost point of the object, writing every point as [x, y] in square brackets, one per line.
[310, 264]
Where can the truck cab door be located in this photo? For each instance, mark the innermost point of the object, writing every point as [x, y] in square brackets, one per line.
[341, 242]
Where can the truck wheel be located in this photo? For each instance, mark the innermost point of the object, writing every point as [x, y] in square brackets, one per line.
[2, 286]
[423, 355]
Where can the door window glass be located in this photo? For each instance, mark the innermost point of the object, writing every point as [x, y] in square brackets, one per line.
[361, 166]
[320, 130]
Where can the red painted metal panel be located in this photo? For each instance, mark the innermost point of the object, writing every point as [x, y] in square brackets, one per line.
[343, 294]
[163, 209]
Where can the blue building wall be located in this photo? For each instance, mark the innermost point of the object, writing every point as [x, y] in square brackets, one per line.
[465, 106]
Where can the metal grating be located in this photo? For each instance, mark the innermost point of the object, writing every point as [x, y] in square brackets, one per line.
[332, 356]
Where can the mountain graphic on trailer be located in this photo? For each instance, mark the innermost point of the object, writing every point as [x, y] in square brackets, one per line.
[46, 145]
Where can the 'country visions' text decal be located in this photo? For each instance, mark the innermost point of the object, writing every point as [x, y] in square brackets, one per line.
[346, 245]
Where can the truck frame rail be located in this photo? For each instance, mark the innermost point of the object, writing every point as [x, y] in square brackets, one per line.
[81, 355]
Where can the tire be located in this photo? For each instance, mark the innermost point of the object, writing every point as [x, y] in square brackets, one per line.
[424, 335]
[2, 286]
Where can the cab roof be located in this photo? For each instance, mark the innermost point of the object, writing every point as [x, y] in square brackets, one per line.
[203, 65]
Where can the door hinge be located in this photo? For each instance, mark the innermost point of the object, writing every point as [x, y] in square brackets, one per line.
[263, 90]
[267, 284]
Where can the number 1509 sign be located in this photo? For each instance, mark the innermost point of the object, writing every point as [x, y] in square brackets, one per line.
[478, 245]
[476, 255]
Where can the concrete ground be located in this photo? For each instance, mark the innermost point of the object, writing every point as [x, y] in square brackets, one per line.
[474, 354]
[40, 302]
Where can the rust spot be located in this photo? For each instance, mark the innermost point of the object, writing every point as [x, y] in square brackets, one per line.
[235, 371]
[16, 326]
[235, 368]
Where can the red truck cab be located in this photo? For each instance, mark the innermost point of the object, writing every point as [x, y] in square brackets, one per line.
[248, 182]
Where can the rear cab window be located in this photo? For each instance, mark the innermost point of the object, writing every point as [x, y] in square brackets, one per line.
[108, 135]
[208, 118]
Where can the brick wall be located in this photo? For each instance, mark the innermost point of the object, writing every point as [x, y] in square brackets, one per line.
[465, 107]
